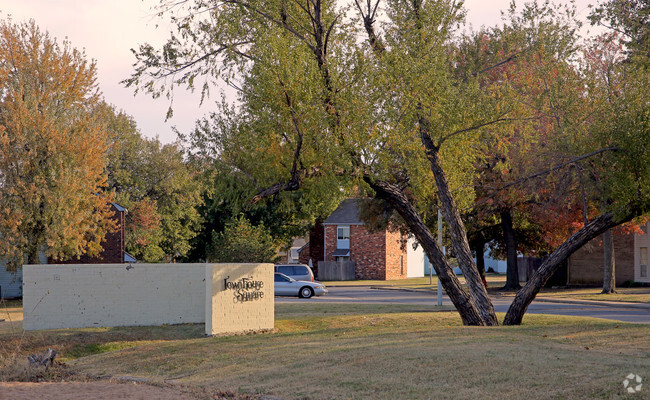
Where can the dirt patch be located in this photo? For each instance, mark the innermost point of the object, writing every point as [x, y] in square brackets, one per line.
[88, 390]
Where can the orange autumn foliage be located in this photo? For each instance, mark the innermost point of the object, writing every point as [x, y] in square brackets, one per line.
[52, 149]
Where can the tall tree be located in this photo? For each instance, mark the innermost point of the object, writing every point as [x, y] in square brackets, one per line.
[159, 187]
[622, 123]
[398, 116]
[52, 149]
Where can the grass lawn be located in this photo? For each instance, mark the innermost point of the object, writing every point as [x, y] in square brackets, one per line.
[632, 295]
[344, 351]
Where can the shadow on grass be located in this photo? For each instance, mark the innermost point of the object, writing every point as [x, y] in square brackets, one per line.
[75, 343]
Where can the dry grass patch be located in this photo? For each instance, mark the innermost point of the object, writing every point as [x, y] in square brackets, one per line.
[16, 344]
[351, 352]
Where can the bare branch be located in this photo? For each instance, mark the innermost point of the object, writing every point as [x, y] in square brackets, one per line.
[507, 60]
[270, 18]
[484, 124]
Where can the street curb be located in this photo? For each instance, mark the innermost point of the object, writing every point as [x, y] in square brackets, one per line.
[401, 289]
[619, 304]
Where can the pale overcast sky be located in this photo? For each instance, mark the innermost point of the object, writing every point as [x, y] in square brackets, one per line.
[108, 29]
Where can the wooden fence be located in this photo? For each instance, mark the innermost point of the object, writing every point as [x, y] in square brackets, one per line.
[336, 271]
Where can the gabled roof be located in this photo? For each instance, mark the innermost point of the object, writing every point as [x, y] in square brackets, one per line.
[347, 213]
[118, 207]
[128, 258]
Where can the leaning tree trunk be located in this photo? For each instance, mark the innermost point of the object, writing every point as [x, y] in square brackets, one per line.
[512, 271]
[459, 296]
[609, 277]
[457, 231]
[527, 294]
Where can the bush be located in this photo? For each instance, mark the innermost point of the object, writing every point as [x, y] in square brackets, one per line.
[242, 242]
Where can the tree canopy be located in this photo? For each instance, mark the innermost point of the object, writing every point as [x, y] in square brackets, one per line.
[52, 149]
[388, 99]
[159, 187]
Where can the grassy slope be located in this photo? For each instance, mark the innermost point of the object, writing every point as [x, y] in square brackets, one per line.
[323, 352]
[337, 351]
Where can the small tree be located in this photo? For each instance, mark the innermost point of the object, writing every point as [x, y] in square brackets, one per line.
[242, 242]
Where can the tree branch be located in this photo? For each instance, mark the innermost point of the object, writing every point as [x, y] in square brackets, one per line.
[544, 172]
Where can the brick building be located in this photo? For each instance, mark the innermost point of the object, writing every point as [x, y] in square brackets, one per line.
[379, 255]
[112, 246]
[586, 266]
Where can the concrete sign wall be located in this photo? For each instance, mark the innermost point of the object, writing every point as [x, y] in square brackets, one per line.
[240, 297]
[93, 295]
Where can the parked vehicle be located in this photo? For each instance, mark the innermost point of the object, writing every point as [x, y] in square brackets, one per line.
[287, 286]
[299, 272]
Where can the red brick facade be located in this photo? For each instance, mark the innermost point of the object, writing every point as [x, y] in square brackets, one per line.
[395, 255]
[377, 256]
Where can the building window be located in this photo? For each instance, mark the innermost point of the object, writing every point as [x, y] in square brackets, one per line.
[341, 259]
[643, 264]
[343, 237]
[401, 265]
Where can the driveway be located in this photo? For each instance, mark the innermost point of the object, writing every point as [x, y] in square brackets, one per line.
[364, 294]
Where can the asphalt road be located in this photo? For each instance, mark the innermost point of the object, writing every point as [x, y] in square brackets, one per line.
[368, 295]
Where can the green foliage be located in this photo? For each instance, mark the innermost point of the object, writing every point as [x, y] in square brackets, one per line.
[630, 18]
[161, 190]
[244, 243]
[407, 114]
[229, 196]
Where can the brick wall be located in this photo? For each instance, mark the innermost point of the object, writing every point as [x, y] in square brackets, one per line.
[396, 259]
[303, 256]
[330, 242]
[91, 295]
[642, 240]
[368, 251]
[586, 264]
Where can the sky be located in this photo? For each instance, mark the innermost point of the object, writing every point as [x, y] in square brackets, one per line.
[108, 29]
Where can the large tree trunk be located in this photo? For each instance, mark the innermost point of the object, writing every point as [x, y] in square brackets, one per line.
[609, 278]
[469, 312]
[479, 248]
[526, 295]
[457, 231]
[512, 271]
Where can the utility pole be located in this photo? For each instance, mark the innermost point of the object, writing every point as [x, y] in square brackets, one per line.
[443, 252]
